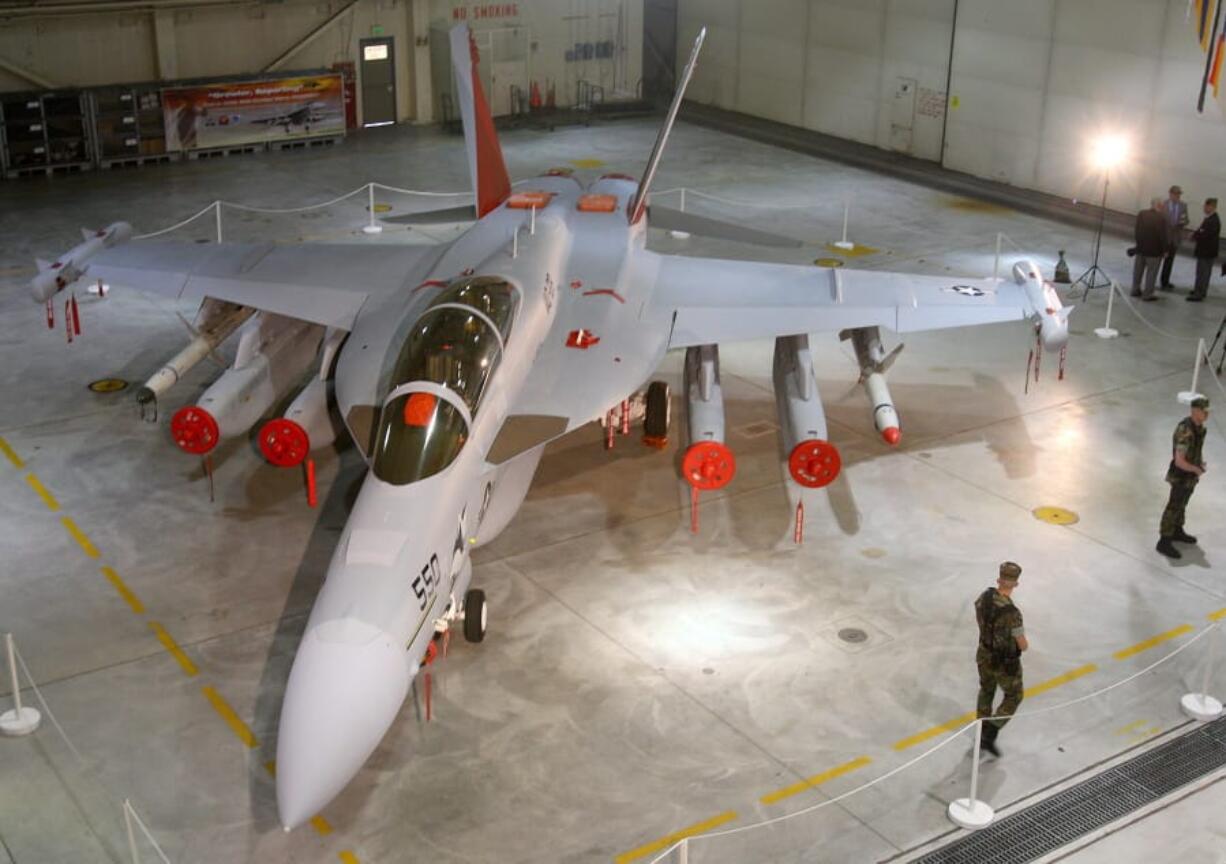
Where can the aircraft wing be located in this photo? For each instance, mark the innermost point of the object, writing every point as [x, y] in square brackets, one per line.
[713, 300]
[323, 284]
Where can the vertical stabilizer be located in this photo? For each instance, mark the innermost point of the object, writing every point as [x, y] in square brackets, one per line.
[491, 185]
[640, 201]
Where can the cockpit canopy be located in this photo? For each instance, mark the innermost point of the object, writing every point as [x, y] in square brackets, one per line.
[457, 344]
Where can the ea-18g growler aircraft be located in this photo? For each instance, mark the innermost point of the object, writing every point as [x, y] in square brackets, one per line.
[453, 366]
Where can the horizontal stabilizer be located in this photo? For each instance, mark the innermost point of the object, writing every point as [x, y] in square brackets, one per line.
[678, 220]
[443, 216]
[42, 264]
[87, 234]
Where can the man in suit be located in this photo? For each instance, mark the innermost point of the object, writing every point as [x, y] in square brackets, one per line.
[1176, 213]
[1208, 245]
[1151, 237]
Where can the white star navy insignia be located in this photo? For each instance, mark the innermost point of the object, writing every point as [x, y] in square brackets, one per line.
[967, 290]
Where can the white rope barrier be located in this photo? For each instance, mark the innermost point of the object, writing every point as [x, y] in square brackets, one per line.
[129, 816]
[282, 210]
[422, 193]
[177, 225]
[47, 708]
[953, 737]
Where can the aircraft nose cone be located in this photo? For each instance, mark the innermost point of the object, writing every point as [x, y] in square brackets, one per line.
[891, 435]
[347, 684]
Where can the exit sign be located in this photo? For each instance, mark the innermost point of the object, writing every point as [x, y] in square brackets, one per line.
[376, 30]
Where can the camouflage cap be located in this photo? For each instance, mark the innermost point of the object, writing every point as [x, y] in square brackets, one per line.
[1010, 571]
[1201, 402]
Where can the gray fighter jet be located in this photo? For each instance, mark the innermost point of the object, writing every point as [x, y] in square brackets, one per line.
[453, 366]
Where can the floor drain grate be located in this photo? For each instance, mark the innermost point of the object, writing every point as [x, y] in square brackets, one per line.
[1091, 804]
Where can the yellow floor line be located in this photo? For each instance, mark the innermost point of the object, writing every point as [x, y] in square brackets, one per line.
[348, 857]
[959, 722]
[38, 487]
[189, 668]
[321, 826]
[11, 454]
[665, 842]
[77, 534]
[222, 707]
[1218, 615]
[1125, 653]
[815, 780]
[1060, 680]
[920, 738]
[271, 767]
[124, 591]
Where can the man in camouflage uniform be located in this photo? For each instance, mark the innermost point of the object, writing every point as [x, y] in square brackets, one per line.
[1187, 466]
[1002, 639]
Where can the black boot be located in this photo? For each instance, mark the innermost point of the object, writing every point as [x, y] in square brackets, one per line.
[1181, 536]
[1167, 548]
[987, 738]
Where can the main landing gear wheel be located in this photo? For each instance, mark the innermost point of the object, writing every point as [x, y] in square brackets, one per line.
[658, 405]
[475, 615]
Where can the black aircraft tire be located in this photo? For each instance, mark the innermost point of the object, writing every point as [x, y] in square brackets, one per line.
[474, 615]
[655, 423]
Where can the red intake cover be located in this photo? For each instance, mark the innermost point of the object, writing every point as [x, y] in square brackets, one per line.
[708, 465]
[284, 443]
[814, 463]
[194, 430]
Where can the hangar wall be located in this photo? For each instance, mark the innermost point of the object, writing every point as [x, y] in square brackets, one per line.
[114, 42]
[1029, 86]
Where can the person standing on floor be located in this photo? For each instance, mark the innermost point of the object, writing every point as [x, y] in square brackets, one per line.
[1208, 245]
[1002, 639]
[1186, 468]
[1151, 243]
[1176, 213]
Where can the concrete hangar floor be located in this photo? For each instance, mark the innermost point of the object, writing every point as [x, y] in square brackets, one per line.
[637, 680]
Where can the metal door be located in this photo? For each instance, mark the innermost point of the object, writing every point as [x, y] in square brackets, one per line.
[902, 115]
[378, 81]
[508, 68]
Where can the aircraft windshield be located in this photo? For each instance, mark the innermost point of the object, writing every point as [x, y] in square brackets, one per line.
[451, 345]
[419, 435]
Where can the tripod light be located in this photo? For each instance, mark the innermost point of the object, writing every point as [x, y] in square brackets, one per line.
[1107, 152]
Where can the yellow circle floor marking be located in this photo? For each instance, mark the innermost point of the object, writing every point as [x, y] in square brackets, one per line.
[382, 208]
[1055, 515]
[828, 262]
[108, 385]
[587, 163]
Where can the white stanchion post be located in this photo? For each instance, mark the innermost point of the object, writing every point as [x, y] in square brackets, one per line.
[217, 207]
[1107, 331]
[683, 851]
[515, 243]
[1201, 706]
[845, 243]
[371, 227]
[1186, 396]
[971, 813]
[680, 235]
[532, 223]
[127, 821]
[996, 260]
[22, 719]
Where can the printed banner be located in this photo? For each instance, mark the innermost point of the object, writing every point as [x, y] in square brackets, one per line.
[253, 112]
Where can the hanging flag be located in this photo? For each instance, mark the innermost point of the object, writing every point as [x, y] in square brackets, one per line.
[1215, 73]
[1202, 23]
[1210, 37]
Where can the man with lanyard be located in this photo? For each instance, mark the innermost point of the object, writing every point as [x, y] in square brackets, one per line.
[1002, 639]
[1187, 466]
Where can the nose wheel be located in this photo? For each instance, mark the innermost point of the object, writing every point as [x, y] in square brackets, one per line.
[475, 615]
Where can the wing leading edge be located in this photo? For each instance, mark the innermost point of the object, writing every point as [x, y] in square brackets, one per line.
[322, 284]
[712, 301]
